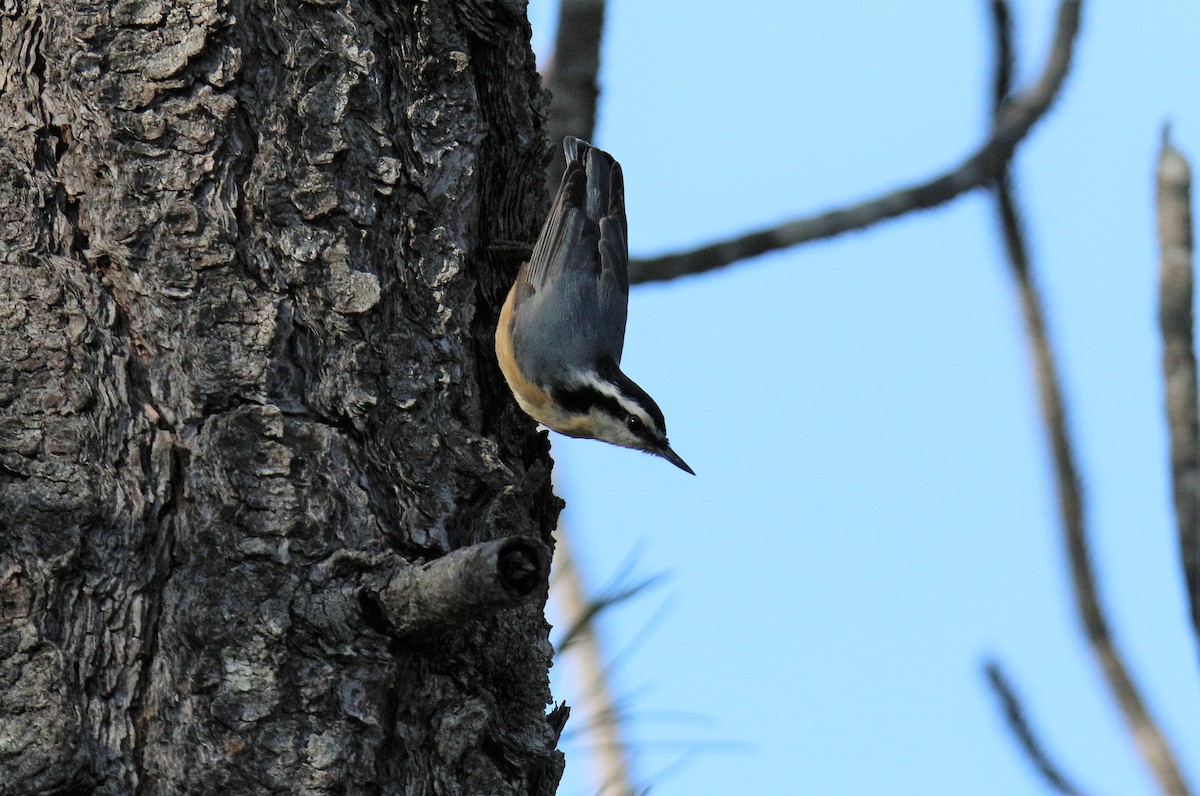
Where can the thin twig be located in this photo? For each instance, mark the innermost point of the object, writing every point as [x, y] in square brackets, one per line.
[611, 755]
[614, 595]
[1005, 63]
[1149, 738]
[571, 77]
[1179, 358]
[1014, 715]
[983, 167]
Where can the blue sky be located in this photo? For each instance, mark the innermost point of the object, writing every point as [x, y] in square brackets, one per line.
[873, 512]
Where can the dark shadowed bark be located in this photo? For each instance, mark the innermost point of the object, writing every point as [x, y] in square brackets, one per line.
[247, 288]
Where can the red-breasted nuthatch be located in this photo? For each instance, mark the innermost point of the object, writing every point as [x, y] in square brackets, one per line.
[562, 328]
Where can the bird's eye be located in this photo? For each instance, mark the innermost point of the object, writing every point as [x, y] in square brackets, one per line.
[634, 424]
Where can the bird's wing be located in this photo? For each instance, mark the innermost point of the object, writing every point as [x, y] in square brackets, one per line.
[575, 300]
[613, 291]
[563, 242]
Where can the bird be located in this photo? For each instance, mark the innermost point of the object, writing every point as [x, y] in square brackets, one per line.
[562, 327]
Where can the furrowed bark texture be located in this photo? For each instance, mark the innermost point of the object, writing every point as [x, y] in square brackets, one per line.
[246, 305]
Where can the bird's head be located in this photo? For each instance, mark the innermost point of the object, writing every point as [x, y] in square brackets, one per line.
[605, 404]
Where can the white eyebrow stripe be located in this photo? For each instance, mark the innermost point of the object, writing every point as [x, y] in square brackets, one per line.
[628, 405]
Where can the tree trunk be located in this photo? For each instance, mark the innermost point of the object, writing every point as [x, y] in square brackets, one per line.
[252, 254]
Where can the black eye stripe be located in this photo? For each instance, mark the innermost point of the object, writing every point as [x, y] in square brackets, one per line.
[609, 371]
[581, 397]
[581, 400]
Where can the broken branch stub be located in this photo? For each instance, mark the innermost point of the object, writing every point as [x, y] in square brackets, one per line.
[465, 584]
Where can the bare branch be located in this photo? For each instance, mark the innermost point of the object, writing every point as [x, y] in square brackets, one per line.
[983, 167]
[1149, 738]
[1005, 61]
[1179, 358]
[1014, 716]
[611, 756]
[461, 584]
[571, 77]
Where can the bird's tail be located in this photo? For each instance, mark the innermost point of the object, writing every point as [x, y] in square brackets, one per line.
[605, 186]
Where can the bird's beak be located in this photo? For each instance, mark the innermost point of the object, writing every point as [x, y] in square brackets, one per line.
[674, 459]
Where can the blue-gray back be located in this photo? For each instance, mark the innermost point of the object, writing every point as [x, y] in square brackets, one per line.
[573, 306]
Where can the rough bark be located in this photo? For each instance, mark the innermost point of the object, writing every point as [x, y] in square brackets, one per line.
[246, 300]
